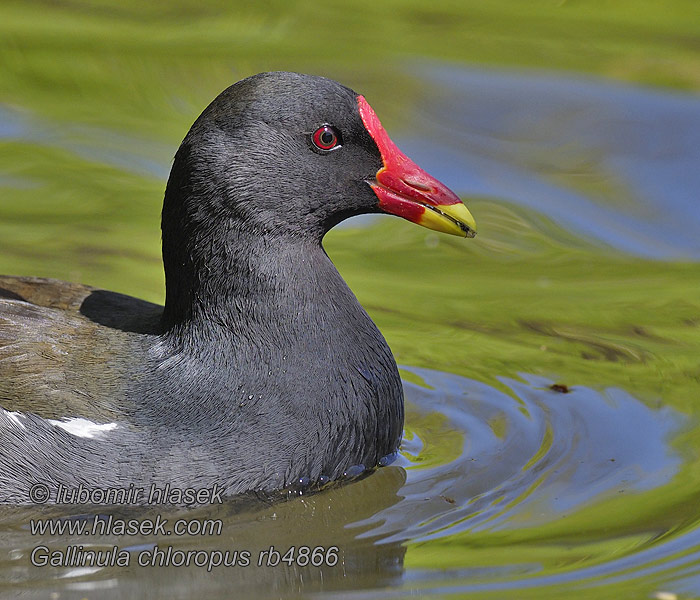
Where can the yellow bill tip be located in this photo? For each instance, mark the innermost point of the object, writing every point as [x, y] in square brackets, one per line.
[454, 219]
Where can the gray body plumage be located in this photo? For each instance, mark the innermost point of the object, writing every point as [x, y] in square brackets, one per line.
[263, 369]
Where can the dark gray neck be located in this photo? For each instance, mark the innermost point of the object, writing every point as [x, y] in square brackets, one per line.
[265, 347]
[249, 280]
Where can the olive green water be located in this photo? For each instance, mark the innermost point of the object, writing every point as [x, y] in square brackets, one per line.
[572, 130]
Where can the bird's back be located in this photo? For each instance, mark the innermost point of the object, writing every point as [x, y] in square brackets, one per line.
[64, 347]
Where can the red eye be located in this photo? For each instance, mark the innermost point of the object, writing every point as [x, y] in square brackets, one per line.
[325, 138]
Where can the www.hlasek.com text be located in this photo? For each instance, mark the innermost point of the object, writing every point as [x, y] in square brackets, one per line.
[111, 525]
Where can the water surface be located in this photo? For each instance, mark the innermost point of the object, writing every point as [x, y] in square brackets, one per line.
[480, 466]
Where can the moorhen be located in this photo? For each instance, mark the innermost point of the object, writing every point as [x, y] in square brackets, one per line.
[262, 372]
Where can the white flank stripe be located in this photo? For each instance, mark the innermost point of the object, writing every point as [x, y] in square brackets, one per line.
[82, 427]
[15, 418]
